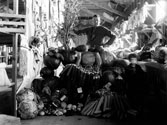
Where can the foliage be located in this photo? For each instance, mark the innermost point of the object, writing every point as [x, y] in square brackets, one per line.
[70, 13]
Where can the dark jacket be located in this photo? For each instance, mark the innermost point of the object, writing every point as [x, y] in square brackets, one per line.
[96, 35]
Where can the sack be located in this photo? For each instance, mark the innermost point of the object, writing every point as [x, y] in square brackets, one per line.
[28, 109]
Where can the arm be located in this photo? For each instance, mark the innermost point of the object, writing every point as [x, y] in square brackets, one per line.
[112, 38]
[110, 35]
[83, 31]
[79, 56]
[98, 59]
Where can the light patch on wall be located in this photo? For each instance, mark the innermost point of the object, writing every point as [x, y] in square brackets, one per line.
[160, 10]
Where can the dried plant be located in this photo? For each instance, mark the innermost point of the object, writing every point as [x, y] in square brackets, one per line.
[70, 13]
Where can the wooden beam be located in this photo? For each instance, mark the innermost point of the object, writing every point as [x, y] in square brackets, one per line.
[95, 13]
[12, 30]
[13, 23]
[90, 6]
[127, 10]
[108, 9]
[95, 8]
[14, 72]
[12, 15]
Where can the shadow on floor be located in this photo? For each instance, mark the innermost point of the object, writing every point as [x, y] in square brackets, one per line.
[82, 120]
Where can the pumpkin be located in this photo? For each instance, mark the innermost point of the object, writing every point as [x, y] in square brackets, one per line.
[69, 57]
[46, 72]
[52, 62]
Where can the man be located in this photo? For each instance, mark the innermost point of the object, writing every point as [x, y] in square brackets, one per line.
[97, 33]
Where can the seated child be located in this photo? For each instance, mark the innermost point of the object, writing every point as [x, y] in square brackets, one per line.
[135, 81]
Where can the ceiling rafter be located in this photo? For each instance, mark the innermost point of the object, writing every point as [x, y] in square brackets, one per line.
[108, 9]
[130, 8]
[95, 13]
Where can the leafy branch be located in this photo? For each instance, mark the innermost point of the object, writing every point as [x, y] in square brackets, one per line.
[70, 13]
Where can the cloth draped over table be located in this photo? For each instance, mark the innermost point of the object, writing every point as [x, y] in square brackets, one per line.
[31, 59]
[30, 65]
[4, 78]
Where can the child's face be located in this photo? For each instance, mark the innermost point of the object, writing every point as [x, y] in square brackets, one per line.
[133, 60]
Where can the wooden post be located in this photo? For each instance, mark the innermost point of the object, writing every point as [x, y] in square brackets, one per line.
[16, 6]
[14, 61]
[7, 55]
[14, 72]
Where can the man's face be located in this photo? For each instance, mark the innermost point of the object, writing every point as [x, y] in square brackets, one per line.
[133, 60]
[96, 21]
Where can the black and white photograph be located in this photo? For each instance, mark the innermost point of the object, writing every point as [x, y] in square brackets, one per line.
[83, 62]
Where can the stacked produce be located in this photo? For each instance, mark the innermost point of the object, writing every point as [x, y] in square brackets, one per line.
[79, 82]
[57, 104]
[53, 58]
[53, 95]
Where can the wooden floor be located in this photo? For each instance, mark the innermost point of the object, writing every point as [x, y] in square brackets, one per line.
[81, 120]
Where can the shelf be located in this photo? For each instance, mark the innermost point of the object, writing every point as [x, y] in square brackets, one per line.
[5, 56]
[16, 23]
[12, 15]
[12, 23]
[12, 30]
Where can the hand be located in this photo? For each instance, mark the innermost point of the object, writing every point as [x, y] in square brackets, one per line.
[46, 90]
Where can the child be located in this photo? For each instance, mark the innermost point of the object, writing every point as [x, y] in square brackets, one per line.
[135, 82]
